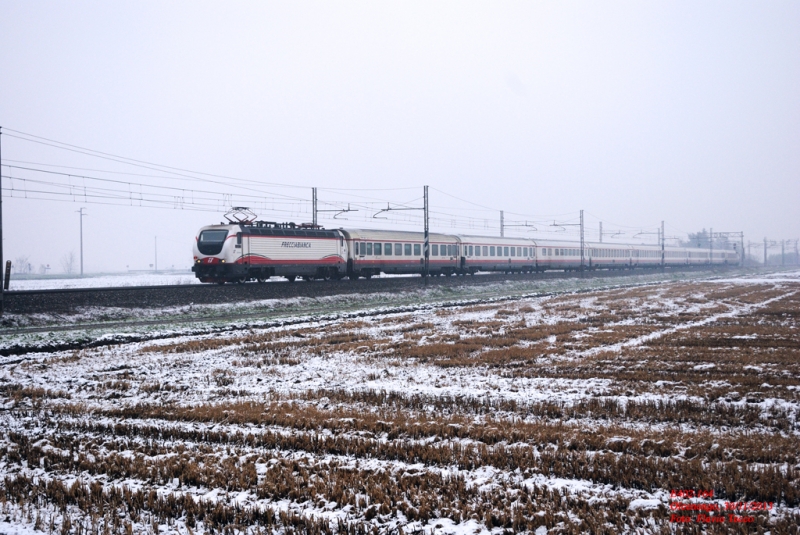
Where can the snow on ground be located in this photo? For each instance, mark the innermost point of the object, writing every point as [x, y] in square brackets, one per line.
[103, 280]
[108, 280]
[556, 413]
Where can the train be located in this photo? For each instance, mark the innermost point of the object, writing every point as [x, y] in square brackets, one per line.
[242, 251]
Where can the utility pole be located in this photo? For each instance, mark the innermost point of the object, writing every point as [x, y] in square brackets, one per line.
[502, 225]
[427, 241]
[1, 223]
[82, 214]
[711, 247]
[663, 239]
[783, 257]
[156, 254]
[582, 255]
[741, 244]
[601, 232]
[314, 206]
[765, 251]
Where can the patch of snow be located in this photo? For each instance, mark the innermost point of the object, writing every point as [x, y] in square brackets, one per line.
[643, 503]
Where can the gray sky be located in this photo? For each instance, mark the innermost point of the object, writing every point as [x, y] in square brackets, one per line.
[633, 111]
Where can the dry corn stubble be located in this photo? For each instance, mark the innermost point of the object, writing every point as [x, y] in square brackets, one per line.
[687, 409]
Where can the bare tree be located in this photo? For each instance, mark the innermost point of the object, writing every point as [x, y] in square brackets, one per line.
[68, 262]
[22, 264]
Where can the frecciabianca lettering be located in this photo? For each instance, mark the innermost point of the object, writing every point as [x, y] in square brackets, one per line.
[303, 244]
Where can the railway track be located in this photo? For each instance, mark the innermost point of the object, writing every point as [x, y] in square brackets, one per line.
[71, 299]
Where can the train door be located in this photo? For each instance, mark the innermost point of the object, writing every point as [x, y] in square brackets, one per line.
[242, 243]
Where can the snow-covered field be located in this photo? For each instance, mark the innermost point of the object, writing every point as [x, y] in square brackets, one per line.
[118, 279]
[579, 411]
[103, 281]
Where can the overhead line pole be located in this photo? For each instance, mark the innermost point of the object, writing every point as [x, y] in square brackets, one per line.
[82, 214]
[663, 239]
[502, 225]
[427, 241]
[711, 247]
[426, 256]
[314, 206]
[582, 243]
[2, 290]
[741, 244]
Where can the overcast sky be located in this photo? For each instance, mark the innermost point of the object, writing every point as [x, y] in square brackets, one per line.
[635, 112]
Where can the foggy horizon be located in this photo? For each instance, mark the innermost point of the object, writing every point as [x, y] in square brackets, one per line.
[681, 112]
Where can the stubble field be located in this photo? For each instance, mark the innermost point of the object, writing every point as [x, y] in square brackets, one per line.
[580, 412]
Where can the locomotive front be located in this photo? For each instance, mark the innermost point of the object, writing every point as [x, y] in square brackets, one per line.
[216, 254]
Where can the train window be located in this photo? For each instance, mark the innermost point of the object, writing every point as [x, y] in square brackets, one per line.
[407, 249]
[470, 251]
[451, 250]
[398, 249]
[485, 250]
[477, 250]
[505, 251]
[524, 251]
[417, 250]
[491, 250]
[387, 249]
[369, 248]
[513, 251]
[434, 250]
[377, 247]
[213, 236]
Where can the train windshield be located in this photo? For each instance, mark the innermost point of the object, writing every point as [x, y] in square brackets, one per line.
[213, 236]
[211, 241]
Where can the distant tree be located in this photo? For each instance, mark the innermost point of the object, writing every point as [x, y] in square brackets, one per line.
[702, 240]
[22, 264]
[68, 262]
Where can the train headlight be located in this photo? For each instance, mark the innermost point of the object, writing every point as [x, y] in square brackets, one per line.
[223, 261]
